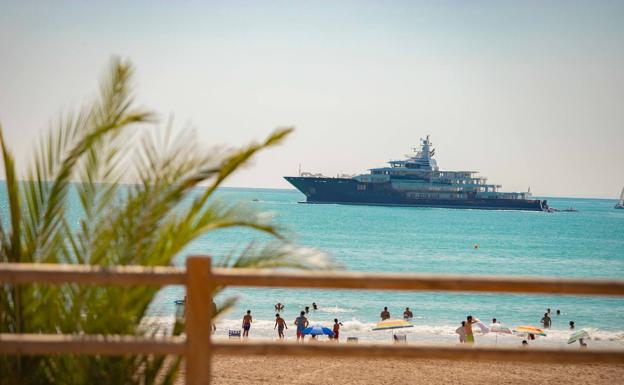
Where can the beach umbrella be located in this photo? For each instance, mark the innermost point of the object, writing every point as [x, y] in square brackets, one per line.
[529, 330]
[499, 329]
[392, 324]
[578, 335]
[318, 330]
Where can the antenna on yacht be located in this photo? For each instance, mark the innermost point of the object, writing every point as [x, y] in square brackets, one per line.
[299, 169]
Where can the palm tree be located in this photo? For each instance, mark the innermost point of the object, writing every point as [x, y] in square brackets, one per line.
[86, 157]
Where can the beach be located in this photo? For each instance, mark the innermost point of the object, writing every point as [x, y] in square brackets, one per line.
[312, 370]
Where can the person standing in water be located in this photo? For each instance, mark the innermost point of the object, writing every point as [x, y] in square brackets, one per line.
[462, 332]
[314, 307]
[385, 314]
[336, 329]
[302, 323]
[408, 313]
[280, 324]
[468, 326]
[247, 320]
[546, 320]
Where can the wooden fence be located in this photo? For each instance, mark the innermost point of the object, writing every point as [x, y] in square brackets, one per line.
[201, 280]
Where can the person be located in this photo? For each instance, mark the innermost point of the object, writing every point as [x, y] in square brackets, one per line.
[548, 311]
[462, 332]
[279, 307]
[385, 314]
[546, 320]
[314, 307]
[408, 313]
[582, 343]
[494, 321]
[307, 309]
[468, 326]
[280, 324]
[336, 329]
[247, 324]
[531, 336]
[571, 325]
[558, 312]
[302, 323]
[525, 343]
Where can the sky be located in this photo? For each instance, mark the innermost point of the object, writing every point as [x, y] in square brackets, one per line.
[529, 93]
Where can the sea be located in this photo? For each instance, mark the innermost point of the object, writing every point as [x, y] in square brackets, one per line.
[584, 244]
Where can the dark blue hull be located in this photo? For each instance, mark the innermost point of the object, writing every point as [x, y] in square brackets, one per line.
[350, 191]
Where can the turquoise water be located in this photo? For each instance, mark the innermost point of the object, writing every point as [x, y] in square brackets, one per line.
[585, 244]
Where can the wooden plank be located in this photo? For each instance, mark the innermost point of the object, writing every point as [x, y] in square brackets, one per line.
[34, 344]
[162, 275]
[91, 275]
[424, 282]
[457, 353]
[199, 289]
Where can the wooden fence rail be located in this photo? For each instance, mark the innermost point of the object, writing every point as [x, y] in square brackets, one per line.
[200, 281]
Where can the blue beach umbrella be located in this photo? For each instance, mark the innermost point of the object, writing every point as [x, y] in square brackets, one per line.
[318, 330]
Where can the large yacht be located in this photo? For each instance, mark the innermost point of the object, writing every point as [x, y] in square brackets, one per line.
[414, 181]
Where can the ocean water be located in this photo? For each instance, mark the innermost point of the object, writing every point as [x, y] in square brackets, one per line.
[584, 244]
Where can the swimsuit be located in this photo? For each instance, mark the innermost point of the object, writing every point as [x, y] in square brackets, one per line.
[469, 338]
[246, 326]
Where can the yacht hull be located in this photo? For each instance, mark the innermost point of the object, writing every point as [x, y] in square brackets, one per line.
[350, 191]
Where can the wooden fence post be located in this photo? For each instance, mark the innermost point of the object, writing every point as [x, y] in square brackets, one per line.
[199, 288]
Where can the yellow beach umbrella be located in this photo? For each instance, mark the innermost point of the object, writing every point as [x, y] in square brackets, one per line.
[529, 330]
[392, 324]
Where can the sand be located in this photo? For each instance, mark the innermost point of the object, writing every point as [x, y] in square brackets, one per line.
[307, 371]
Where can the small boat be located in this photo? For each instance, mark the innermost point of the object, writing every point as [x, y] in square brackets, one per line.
[620, 204]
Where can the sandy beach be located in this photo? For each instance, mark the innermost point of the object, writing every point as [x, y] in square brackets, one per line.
[308, 371]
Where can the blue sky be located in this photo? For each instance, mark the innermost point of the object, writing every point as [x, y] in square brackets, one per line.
[528, 93]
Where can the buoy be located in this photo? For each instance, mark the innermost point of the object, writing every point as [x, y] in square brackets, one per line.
[476, 245]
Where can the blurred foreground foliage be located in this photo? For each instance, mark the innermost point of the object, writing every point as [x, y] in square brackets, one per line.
[169, 204]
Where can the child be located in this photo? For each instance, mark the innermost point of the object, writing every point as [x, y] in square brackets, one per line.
[462, 332]
[336, 328]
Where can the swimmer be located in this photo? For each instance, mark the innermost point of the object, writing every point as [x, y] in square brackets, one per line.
[408, 313]
[571, 325]
[314, 307]
[546, 320]
[247, 324]
[385, 314]
[280, 324]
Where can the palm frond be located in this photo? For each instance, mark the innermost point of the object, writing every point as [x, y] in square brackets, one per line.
[15, 210]
[150, 223]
